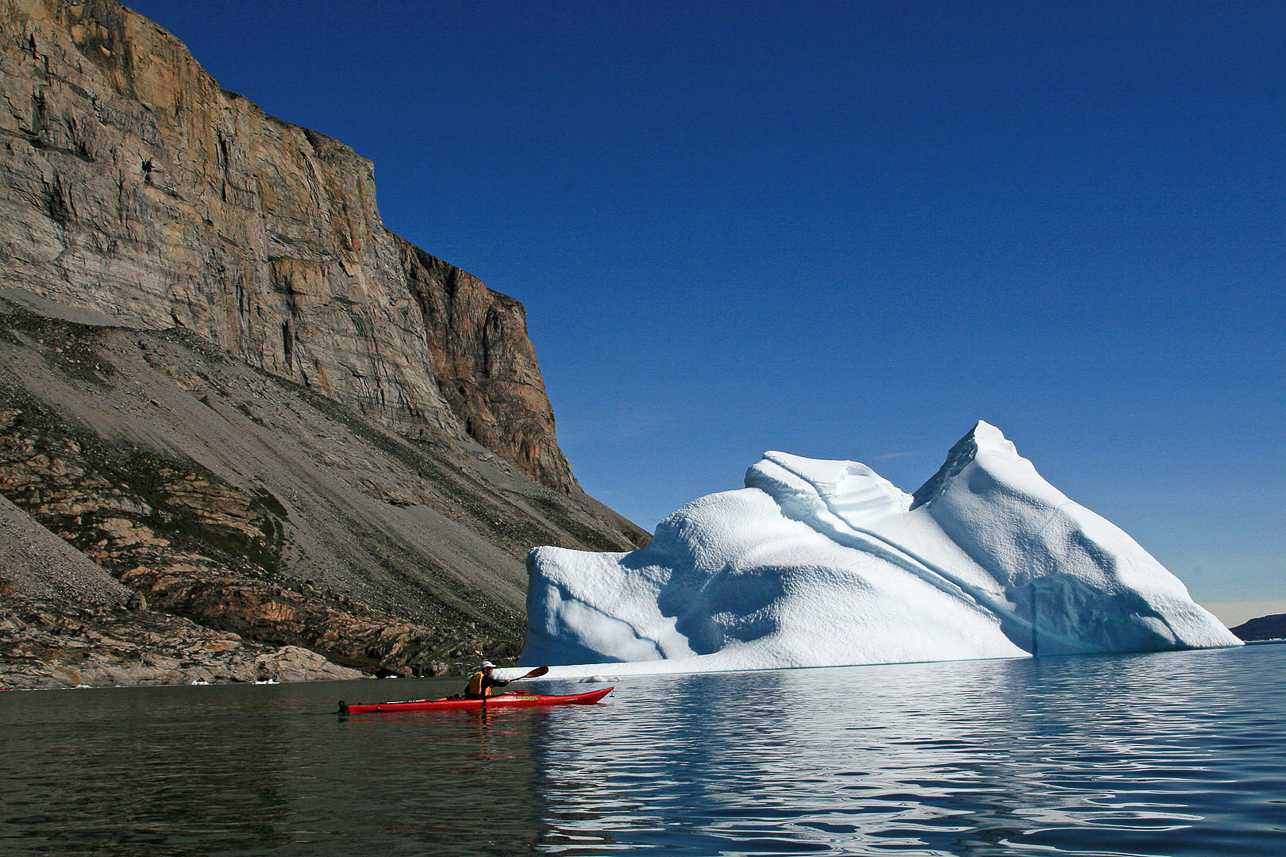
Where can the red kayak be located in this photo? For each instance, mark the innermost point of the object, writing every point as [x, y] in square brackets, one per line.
[504, 700]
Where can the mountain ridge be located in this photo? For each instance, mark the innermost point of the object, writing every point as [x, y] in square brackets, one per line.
[1270, 627]
[225, 383]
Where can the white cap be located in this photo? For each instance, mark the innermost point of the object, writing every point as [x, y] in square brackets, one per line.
[486, 664]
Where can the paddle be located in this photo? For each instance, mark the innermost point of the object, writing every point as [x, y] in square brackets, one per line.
[536, 673]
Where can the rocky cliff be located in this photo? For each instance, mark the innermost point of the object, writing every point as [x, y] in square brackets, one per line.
[230, 389]
[133, 185]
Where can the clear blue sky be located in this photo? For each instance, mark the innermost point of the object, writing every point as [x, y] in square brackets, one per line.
[848, 230]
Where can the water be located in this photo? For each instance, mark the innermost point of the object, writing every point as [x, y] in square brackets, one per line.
[1164, 754]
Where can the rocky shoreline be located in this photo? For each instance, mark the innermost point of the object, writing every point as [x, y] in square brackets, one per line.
[45, 645]
[147, 466]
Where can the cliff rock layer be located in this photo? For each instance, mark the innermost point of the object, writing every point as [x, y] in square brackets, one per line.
[133, 185]
[240, 421]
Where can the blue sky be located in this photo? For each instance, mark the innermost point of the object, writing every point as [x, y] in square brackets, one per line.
[848, 230]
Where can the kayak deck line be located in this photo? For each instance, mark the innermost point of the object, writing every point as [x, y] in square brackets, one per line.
[504, 700]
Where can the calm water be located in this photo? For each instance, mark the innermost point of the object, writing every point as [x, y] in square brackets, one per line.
[1170, 754]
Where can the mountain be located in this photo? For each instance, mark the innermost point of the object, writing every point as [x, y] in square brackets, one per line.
[825, 563]
[229, 387]
[1264, 628]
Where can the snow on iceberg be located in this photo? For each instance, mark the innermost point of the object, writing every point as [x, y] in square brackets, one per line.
[825, 563]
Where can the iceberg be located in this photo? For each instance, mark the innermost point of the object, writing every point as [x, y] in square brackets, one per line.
[826, 563]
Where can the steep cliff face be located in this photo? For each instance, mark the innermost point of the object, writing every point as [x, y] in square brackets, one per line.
[133, 185]
[235, 396]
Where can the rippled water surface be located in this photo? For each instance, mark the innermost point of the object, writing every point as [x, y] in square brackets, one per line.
[1164, 754]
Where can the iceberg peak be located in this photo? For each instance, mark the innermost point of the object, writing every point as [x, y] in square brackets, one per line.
[826, 563]
[982, 438]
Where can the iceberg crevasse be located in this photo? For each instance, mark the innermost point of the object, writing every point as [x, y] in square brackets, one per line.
[826, 563]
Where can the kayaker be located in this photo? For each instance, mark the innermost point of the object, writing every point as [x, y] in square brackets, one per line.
[481, 682]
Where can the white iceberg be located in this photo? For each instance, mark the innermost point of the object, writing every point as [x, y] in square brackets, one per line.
[825, 563]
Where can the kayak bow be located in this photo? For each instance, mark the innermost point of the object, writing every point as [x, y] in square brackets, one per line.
[504, 700]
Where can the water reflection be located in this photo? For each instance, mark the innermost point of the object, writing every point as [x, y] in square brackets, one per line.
[231, 770]
[1176, 754]
[1117, 755]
